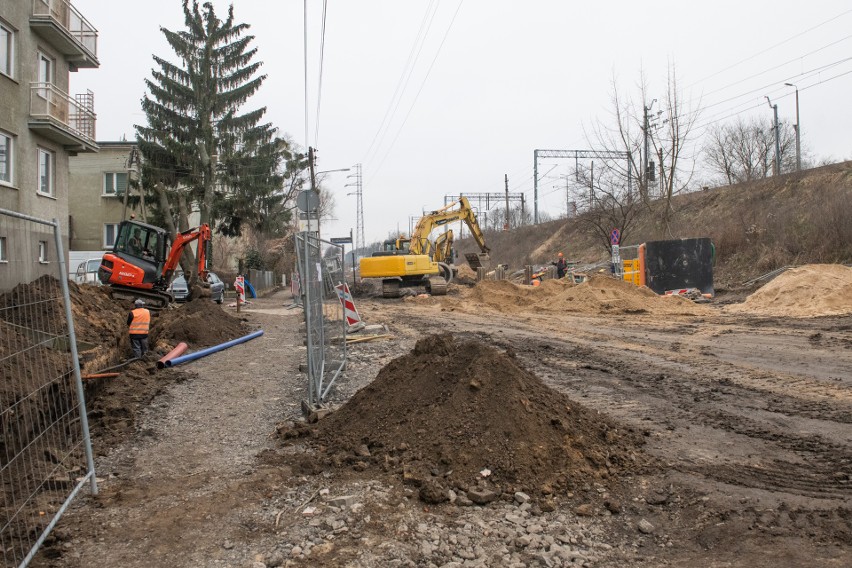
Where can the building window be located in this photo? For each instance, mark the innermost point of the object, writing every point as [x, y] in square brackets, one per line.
[110, 231]
[6, 158]
[115, 183]
[42, 251]
[3, 257]
[46, 169]
[45, 68]
[7, 51]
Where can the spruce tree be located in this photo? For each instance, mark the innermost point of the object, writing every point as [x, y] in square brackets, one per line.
[198, 147]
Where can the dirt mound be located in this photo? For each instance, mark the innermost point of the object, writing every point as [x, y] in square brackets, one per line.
[200, 323]
[462, 415]
[598, 295]
[807, 291]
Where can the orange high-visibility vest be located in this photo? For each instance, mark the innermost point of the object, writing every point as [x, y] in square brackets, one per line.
[141, 321]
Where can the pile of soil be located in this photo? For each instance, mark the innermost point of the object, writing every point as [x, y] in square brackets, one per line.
[461, 415]
[807, 291]
[598, 295]
[199, 323]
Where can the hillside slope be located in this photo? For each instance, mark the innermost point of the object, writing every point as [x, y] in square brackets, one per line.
[757, 226]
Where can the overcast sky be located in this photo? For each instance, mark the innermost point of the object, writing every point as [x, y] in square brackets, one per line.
[445, 97]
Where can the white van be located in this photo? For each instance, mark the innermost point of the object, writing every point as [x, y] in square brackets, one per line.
[87, 272]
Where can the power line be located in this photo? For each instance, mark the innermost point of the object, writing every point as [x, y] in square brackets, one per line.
[407, 70]
[319, 88]
[759, 105]
[420, 90]
[771, 47]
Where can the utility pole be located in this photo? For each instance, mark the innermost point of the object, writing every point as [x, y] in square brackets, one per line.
[506, 181]
[360, 241]
[798, 130]
[646, 157]
[535, 187]
[774, 107]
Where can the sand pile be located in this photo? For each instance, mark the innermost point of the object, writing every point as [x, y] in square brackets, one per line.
[442, 414]
[599, 295]
[807, 291]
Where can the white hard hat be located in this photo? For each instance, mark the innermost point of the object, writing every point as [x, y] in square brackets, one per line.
[139, 302]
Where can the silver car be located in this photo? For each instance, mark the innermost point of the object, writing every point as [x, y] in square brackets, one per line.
[180, 290]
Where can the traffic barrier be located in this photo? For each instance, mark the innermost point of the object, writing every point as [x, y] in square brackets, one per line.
[349, 311]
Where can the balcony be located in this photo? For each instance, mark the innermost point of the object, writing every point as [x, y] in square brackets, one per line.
[58, 22]
[65, 120]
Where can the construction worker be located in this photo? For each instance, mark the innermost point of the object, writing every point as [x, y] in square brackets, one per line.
[139, 322]
[134, 244]
[560, 265]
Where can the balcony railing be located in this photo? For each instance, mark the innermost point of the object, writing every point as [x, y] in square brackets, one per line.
[76, 116]
[66, 16]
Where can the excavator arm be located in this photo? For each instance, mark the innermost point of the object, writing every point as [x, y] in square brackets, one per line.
[457, 211]
[203, 235]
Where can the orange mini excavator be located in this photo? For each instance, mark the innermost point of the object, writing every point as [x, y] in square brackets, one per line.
[142, 262]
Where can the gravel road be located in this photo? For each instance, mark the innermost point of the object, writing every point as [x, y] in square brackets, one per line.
[747, 423]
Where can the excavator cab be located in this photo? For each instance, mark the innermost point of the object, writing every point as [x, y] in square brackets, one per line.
[141, 246]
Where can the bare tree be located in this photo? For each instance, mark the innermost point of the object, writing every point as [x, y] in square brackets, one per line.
[620, 184]
[745, 150]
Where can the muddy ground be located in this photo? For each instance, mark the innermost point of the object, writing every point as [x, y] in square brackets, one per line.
[698, 436]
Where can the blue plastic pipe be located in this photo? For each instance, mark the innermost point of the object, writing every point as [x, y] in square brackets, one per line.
[211, 350]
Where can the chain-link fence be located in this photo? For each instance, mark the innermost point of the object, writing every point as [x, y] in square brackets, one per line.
[45, 450]
[325, 325]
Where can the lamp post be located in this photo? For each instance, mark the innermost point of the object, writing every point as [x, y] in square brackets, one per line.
[798, 130]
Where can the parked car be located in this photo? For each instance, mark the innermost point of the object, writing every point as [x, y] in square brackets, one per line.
[180, 290]
[87, 272]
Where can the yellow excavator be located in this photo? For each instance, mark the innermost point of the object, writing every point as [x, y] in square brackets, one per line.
[418, 261]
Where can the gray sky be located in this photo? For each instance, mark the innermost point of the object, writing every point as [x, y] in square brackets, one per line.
[492, 81]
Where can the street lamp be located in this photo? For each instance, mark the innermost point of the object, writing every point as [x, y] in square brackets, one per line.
[798, 130]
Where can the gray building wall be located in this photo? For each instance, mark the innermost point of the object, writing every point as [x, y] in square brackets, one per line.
[90, 210]
[15, 113]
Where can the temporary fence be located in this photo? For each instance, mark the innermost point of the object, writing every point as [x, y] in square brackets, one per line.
[325, 326]
[261, 279]
[45, 450]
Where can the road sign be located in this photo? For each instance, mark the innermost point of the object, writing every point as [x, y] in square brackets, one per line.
[615, 237]
[341, 240]
[307, 201]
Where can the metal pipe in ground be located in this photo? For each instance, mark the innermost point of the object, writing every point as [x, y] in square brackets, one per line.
[211, 350]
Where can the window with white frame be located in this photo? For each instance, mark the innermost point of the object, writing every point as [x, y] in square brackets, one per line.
[45, 68]
[42, 251]
[115, 183]
[46, 169]
[7, 50]
[6, 158]
[110, 231]
[3, 257]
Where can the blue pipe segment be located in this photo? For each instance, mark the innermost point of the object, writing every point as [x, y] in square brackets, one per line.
[211, 350]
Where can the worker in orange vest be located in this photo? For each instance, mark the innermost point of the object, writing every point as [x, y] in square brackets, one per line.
[139, 321]
[560, 265]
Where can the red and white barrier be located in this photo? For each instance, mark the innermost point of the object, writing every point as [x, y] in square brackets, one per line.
[353, 319]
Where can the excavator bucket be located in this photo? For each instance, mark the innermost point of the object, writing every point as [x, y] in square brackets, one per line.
[478, 259]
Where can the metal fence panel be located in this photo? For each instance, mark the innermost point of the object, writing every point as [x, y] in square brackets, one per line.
[261, 279]
[325, 326]
[45, 450]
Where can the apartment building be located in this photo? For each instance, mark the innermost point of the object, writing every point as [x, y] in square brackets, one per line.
[41, 125]
[99, 184]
